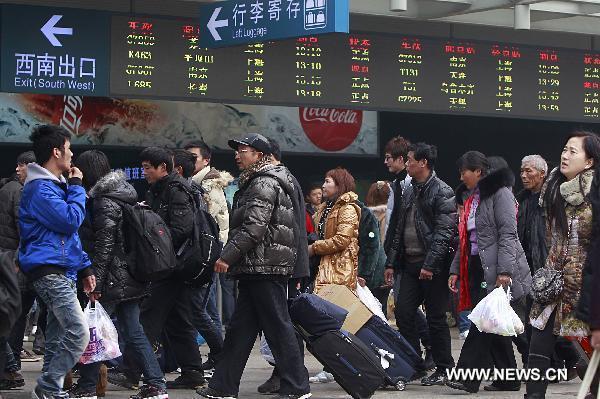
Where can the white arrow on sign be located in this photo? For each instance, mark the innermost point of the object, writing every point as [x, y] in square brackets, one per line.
[213, 24]
[50, 30]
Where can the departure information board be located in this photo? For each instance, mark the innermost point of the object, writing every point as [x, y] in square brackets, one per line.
[162, 58]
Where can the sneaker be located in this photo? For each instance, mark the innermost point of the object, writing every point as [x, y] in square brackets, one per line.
[438, 377]
[188, 380]
[6, 385]
[208, 392]
[463, 335]
[39, 393]
[270, 386]
[322, 378]
[150, 392]
[460, 386]
[429, 363]
[15, 378]
[304, 396]
[82, 393]
[119, 379]
[208, 367]
[209, 364]
[27, 356]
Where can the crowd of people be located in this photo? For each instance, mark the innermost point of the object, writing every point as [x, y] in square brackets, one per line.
[64, 243]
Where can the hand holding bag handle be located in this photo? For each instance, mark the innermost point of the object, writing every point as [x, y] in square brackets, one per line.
[589, 376]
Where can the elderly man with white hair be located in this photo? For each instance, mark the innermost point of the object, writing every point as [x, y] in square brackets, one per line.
[531, 222]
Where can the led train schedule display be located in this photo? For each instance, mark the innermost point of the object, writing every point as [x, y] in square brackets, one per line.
[164, 59]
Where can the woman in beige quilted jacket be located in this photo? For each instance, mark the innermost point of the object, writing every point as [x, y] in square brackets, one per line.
[336, 222]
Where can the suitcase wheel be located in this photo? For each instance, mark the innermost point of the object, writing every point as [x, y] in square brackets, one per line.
[400, 386]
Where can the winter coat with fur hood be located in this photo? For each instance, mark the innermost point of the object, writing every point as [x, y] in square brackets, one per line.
[339, 249]
[104, 242]
[498, 242]
[213, 182]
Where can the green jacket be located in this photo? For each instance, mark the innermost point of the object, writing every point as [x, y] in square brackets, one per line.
[371, 256]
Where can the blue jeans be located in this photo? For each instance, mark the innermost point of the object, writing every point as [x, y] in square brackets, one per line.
[205, 324]
[464, 324]
[132, 333]
[10, 363]
[211, 306]
[67, 333]
[227, 298]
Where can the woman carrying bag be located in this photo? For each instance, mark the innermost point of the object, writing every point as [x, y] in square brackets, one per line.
[557, 286]
[489, 255]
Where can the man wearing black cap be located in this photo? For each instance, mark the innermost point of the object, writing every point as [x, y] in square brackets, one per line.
[260, 253]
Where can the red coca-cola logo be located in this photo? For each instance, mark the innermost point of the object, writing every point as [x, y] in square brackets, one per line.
[331, 129]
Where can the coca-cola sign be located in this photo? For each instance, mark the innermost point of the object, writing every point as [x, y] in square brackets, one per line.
[331, 129]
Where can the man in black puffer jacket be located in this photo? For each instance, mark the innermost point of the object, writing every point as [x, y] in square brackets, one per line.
[261, 253]
[421, 252]
[169, 306]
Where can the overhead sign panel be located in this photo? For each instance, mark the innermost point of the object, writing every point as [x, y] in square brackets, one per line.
[235, 22]
[53, 50]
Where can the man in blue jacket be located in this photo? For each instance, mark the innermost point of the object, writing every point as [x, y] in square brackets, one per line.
[50, 252]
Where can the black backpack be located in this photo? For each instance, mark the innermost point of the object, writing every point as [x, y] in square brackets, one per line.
[197, 256]
[147, 241]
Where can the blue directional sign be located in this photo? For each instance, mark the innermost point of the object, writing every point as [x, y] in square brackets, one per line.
[235, 22]
[55, 50]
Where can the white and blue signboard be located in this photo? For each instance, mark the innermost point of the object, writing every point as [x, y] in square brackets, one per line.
[236, 22]
[55, 50]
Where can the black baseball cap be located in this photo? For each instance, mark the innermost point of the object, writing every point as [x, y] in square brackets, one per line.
[254, 140]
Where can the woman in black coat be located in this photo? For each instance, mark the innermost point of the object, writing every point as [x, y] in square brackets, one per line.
[116, 289]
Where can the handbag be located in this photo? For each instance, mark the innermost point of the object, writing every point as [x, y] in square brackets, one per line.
[589, 376]
[547, 284]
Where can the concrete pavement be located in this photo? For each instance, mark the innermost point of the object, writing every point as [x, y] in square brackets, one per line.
[257, 371]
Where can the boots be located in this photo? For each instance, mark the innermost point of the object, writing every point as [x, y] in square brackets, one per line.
[68, 383]
[102, 381]
[537, 389]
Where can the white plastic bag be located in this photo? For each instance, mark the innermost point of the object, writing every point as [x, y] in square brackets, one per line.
[265, 351]
[104, 340]
[494, 315]
[367, 298]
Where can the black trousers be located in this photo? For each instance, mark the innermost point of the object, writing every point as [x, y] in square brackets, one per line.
[261, 305]
[434, 294]
[487, 351]
[483, 350]
[541, 350]
[169, 308]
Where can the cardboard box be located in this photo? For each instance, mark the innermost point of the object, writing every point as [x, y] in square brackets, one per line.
[358, 313]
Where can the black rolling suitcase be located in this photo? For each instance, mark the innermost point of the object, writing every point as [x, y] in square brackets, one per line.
[353, 365]
[388, 344]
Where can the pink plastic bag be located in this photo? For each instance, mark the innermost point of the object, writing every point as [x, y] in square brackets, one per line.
[104, 339]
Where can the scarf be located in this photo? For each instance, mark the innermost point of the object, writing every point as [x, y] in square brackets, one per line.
[251, 170]
[321, 226]
[464, 299]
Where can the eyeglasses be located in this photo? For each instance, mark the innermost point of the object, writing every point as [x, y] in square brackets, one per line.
[243, 151]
